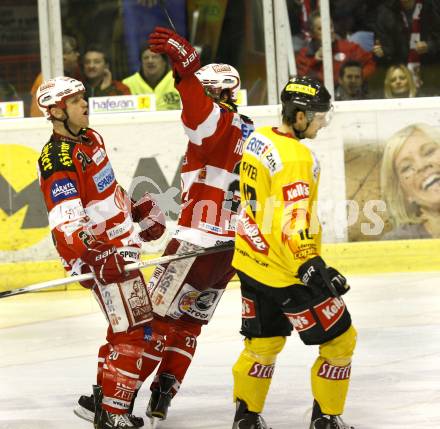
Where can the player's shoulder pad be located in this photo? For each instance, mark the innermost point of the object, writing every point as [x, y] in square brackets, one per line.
[246, 119]
[56, 156]
[91, 136]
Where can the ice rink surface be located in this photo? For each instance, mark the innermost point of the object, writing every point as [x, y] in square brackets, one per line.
[45, 365]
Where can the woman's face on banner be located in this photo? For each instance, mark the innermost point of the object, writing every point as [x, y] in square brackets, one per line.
[418, 168]
[399, 82]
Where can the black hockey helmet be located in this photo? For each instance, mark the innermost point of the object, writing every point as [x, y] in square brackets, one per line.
[306, 94]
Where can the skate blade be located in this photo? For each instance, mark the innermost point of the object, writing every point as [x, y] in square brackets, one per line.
[154, 422]
[83, 413]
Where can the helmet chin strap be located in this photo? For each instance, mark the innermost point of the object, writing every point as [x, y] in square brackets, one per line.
[301, 134]
[66, 124]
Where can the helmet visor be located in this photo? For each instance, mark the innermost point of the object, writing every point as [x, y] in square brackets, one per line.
[323, 118]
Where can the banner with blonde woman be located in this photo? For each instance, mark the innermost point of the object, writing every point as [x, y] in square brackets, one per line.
[392, 173]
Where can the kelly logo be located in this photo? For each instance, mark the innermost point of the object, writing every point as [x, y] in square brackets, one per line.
[296, 191]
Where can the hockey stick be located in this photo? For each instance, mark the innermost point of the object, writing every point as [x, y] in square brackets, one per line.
[165, 10]
[128, 268]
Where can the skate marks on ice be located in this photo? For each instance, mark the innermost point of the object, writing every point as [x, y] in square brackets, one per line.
[45, 367]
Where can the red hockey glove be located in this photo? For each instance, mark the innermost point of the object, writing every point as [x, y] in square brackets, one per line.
[150, 217]
[88, 284]
[315, 272]
[185, 58]
[107, 265]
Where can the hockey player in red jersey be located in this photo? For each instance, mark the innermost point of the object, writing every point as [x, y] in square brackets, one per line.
[91, 219]
[185, 293]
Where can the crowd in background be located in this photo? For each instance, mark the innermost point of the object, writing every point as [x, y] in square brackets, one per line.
[381, 49]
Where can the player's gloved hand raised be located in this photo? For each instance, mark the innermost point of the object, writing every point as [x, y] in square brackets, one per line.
[150, 217]
[315, 272]
[185, 58]
[107, 265]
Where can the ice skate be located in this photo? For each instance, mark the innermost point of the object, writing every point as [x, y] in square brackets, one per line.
[245, 419]
[160, 399]
[324, 421]
[85, 409]
[109, 420]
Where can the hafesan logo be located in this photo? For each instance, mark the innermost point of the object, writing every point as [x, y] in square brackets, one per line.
[23, 220]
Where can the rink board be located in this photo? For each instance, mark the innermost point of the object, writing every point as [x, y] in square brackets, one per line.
[349, 258]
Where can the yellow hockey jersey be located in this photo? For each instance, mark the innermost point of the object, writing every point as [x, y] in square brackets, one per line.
[167, 96]
[278, 228]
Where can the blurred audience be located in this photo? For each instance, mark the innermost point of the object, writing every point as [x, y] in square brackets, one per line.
[154, 77]
[98, 77]
[408, 32]
[309, 58]
[399, 83]
[299, 14]
[354, 20]
[7, 92]
[351, 85]
[71, 68]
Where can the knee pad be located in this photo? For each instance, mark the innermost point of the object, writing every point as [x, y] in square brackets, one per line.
[339, 351]
[125, 361]
[264, 350]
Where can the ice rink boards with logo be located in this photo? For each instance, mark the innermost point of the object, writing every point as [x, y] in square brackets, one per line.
[47, 360]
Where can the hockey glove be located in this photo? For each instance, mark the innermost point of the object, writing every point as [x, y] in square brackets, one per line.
[184, 57]
[150, 217]
[107, 265]
[315, 272]
[88, 284]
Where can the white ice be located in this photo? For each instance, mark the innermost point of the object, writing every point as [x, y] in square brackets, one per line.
[45, 366]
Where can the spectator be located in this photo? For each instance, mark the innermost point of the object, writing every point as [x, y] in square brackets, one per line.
[309, 58]
[98, 77]
[154, 77]
[70, 65]
[408, 32]
[399, 83]
[299, 13]
[7, 92]
[410, 182]
[351, 85]
[354, 18]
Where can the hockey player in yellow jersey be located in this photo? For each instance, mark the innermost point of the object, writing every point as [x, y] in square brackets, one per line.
[285, 284]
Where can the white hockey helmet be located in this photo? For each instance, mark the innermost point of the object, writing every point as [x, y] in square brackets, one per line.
[54, 92]
[216, 78]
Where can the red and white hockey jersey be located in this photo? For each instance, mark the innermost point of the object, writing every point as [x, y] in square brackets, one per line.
[83, 198]
[210, 171]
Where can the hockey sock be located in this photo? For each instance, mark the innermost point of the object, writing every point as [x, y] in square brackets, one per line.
[120, 377]
[330, 373]
[180, 346]
[103, 352]
[254, 369]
